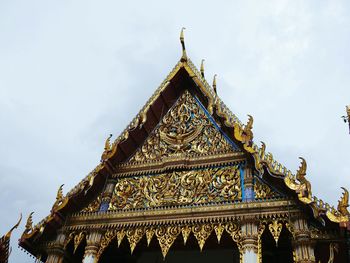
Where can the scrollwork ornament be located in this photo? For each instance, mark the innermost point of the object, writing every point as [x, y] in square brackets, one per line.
[219, 229]
[166, 237]
[202, 232]
[78, 239]
[106, 240]
[149, 235]
[275, 228]
[185, 231]
[120, 236]
[134, 236]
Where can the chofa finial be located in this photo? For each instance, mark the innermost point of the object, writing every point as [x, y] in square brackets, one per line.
[214, 84]
[8, 235]
[182, 40]
[202, 67]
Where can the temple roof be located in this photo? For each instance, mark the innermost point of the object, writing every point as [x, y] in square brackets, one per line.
[5, 249]
[123, 147]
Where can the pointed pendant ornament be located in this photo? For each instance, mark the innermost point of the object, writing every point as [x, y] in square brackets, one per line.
[166, 237]
[149, 235]
[186, 231]
[134, 236]
[275, 229]
[202, 232]
[219, 229]
[120, 236]
[77, 240]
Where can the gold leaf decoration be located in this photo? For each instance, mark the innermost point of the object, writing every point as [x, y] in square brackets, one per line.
[105, 241]
[263, 191]
[261, 229]
[219, 229]
[202, 232]
[93, 206]
[68, 239]
[166, 237]
[134, 236]
[235, 232]
[185, 129]
[149, 235]
[77, 240]
[186, 231]
[120, 236]
[210, 185]
[275, 228]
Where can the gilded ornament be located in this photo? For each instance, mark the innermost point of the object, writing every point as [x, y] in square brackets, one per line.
[120, 236]
[275, 228]
[343, 203]
[184, 131]
[29, 224]
[182, 40]
[59, 198]
[333, 248]
[202, 232]
[8, 234]
[149, 235]
[166, 236]
[107, 149]
[68, 239]
[261, 229]
[177, 188]
[234, 231]
[245, 134]
[134, 236]
[219, 229]
[93, 206]
[263, 191]
[77, 240]
[186, 231]
[108, 236]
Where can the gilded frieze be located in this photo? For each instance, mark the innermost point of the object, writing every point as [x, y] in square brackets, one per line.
[263, 191]
[184, 130]
[212, 185]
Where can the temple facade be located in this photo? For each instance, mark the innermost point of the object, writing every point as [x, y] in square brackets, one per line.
[185, 182]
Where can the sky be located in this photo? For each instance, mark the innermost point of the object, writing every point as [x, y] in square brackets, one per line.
[72, 72]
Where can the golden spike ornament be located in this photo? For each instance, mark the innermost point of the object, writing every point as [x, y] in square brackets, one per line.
[275, 228]
[202, 232]
[202, 68]
[219, 230]
[77, 240]
[214, 84]
[343, 203]
[182, 40]
[120, 236]
[107, 149]
[8, 235]
[166, 237]
[149, 235]
[29, 224]
[59, 198]
[134, 236]
[185, 231]
[245, 134]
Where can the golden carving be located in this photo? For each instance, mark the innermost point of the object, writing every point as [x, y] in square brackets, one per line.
[186, 231]
[245, 134]
[275, 228]
[202, 232]
[149, 235]
[341, 215]
[184, 130]
[303, 188]
[219, 229]
[120, 236]
[290, 228]
[177, 188]
[261, 229]
[29, 224]
[166, 237]
[93, 206]
[343, 203]
[77, 240]
[134, 236]
[68, 239]
[107, 149]
[59, 198]
[263, 191]
[235, 232]
[105, 241]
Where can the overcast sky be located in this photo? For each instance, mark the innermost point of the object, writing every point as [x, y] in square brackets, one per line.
[72, 72]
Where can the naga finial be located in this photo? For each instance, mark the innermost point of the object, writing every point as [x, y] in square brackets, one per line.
[248, 129]
[182, 40]
[262, 150]
[29, 224]
[59, 195]
[8, 235]
[343, 203]
[301, 172]
[214, 84]
[108, 143]
[202, 67]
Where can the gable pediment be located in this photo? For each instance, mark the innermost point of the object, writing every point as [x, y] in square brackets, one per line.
[186, 130]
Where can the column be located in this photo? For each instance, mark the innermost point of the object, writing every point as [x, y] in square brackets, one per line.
[106, 196]
[92, 245]
[249, 243]
[303, 245]
[55, 251]
[248, 185]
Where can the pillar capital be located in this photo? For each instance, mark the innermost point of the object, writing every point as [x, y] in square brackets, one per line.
[93, 241]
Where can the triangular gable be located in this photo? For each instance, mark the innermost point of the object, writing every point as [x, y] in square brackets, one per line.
[185, 130]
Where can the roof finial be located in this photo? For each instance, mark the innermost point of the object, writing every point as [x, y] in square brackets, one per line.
[214, 84]
[8, 235]
[182, 40]
[202, 67]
